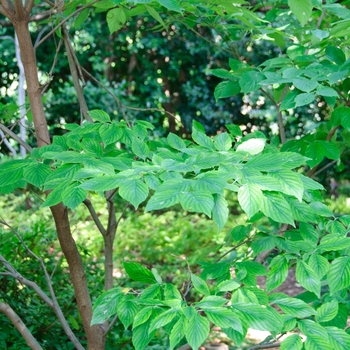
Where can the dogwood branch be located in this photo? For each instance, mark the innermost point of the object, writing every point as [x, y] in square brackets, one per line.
[20, 326]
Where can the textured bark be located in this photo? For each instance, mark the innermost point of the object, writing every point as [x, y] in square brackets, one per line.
[19, 16]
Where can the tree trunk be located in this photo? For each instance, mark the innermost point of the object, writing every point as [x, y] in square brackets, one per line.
[19, 18]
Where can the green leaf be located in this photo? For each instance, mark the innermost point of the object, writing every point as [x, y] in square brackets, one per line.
[228, 286]
[166, 195]
[301, 211]
[156, 16]
[259, 317]
[331, 149]
[134, 191]
[110, 133]
[127, 310]
[304, 84]
[81, 18]
[292, 342]
[197, 330]
[321, 209]
[263, 244]
[308, 278]
[100, 116]
[304, 99]
[92, 147]
[326, 91]
[211, 301]
[250, 198]
[203, 140]
[317, 342]
[177, 332]
[278, 272]
[339, 274]
[234, 130]
[294, 307]
[339, 339]
[105, 305]
[199, 202]
[319, 264]
[335, 55]
[199, 285]
[333, 242]
[309, 327]
[301, 9]
[141, 336]
[226, 89]
[252, 146]
[140, 148]
[289, 101]
[220, 211]
[290, 183]
[327, 311]
[239, 232]
[171, 5]
[101, 183]
[139, 273]
[176, 142]
[310, 184]
[316, 152]
[222, 73]
[72, 196]
[208, 182]
[277, 208]
[142, 316]
[223, 142]
[224, 318]
[36, 174]
[163, 319]
[235, 336]
[15, 168]
[171, 292]
[249, 81]
[55, 196]
[116, 18]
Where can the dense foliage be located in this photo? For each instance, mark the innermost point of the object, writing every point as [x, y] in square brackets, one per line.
[248, 118]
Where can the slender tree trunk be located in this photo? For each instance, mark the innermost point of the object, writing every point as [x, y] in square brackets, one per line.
[21, 98]
[108, 239]
[19, 17]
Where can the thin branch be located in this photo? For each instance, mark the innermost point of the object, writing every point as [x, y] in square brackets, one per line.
[7, 8]
[7, 143]
[74, 69]
[16, 275]
[50, 74]
[232, 249]
[64, 21]
[2, 11]
[111, 324]
[281, 127]
[121, 107]
[150, 110]
[20, 326]
[122, 214]
[265, 346]
[325, 167]
[15, 137]
[53, 303]
[29, 5]
[94, 216]
[319, 22]
[329, 137]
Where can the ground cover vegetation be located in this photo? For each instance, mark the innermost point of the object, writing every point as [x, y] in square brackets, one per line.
[168, 154]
